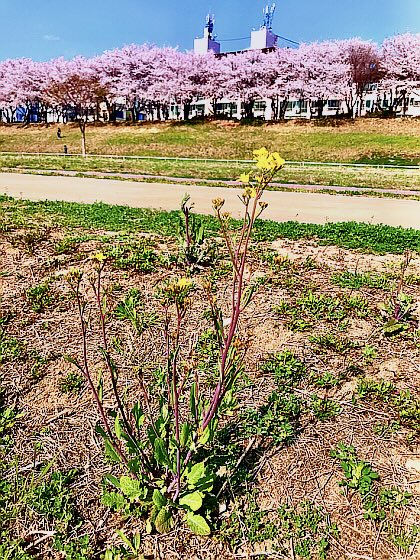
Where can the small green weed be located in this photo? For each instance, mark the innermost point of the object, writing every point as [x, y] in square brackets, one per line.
[66, 245]
[369, 353]
[309, 528]
[132, 309]
[51, 498]
[30, 238]
[196, 251]
[137, 254]
[359, 476]
[406, 540]
[369, 388]
[329, 341]
[323, 408]
[386, 429]
[326, 380]
[72, 383]
[276, 420]
[405, 405]
[74, 549]
[10, 348]
[131, 550]
[40, 297]
[254, 524]
[357, 280]
[286, 369]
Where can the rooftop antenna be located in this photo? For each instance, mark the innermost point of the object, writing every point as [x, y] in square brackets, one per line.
[268, 12]
[210, 20]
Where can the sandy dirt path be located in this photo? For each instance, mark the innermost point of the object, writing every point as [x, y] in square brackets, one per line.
[303, 207]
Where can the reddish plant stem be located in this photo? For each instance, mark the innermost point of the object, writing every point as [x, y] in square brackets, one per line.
[111, 371]
[176, 403]
[237, 289]
[86, 371]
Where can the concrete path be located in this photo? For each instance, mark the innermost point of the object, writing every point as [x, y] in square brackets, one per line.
[303, 207]
[192, 181]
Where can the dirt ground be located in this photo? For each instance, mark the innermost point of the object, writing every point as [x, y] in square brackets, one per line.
[59, 426]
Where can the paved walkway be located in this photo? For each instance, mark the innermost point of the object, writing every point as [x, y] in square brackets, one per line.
[220, 182]
[304, 207]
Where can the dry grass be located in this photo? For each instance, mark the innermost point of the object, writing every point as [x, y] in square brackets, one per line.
[62, 426]
[352, 141]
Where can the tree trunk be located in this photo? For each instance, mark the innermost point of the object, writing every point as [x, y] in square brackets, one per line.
[320, 107]
[82, 125]
[248, 109]
[187, 108]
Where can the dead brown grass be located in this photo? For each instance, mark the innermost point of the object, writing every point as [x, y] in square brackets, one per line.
[62, 426]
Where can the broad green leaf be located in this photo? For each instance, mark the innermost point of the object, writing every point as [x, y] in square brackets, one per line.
[195, 473]
[197, 524]
[194, 501]
[161, 453]
[131, 488]
[164, 521]
[205, 484]
[113, 500]
[111, 452]
[158, 499]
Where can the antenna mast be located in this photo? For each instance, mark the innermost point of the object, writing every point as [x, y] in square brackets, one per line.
[268, 13]
[210, 20]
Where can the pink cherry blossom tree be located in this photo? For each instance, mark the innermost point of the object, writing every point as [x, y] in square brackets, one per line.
[401, 62]
[75, 87]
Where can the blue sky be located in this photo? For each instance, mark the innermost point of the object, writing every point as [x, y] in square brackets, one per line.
[48, 28]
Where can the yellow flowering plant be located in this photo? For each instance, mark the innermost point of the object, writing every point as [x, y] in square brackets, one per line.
[161, 443]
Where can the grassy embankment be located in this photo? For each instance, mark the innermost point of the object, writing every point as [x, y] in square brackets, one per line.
[364, 141]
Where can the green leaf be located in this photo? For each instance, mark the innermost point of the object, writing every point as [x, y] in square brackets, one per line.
[206, 435]
[185, 434]
[164, 521]
[138, 415]
[125, 539]
[195, 473]
[161, 453]
[197, 524]
[193, 398]
[100, 389]
[158, 499]
[117, 426]
[113, 500]
[131, 488]
[111, 479]
[111, 452]
[194, 501]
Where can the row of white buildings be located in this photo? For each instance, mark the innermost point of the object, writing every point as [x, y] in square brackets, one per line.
[264, 39]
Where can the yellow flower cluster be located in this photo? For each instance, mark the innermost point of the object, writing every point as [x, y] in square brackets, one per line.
[175, 291]
[218, 203]
[99, 257]
[249, 192]
[267, 161]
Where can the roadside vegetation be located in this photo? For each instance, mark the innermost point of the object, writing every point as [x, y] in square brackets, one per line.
[219, 173]
[174, 384]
